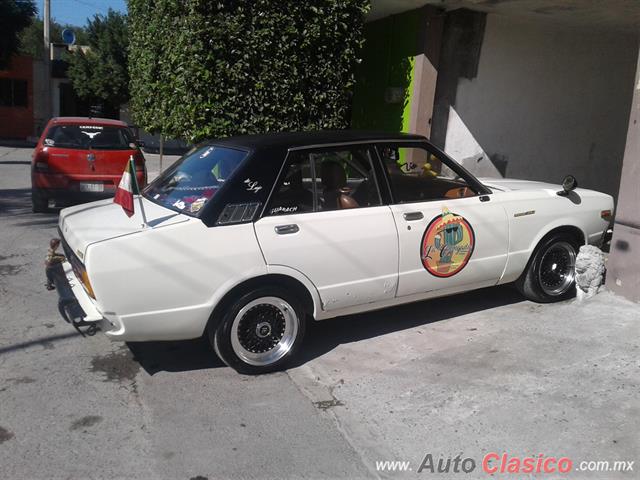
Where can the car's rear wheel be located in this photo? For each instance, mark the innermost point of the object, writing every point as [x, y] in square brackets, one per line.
[39, 203]
[260, 331]
[551, 273]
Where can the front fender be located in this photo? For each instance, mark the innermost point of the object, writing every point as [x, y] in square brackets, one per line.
[533, 217]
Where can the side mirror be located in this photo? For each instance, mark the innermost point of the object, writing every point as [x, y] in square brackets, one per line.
[569, 183]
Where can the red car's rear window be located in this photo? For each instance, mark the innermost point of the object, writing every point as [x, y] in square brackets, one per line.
[84, 137]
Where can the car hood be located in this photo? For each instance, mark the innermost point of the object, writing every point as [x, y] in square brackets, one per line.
[94, 222]
[509, 184]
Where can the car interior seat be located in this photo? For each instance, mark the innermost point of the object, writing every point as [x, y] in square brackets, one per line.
[334, 184]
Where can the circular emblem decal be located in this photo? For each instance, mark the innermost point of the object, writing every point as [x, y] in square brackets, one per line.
[447, 244]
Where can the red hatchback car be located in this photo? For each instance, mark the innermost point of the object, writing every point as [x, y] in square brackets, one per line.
[79, 159]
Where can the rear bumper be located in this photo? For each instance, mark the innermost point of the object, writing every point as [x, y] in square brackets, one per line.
[78, 309]
[57, 186]
[69, 195]
[74, 303]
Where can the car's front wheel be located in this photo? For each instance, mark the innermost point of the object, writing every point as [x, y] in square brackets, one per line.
[551, 273]
[260, 331]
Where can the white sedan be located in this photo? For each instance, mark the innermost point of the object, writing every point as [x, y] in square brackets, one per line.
[247, 239]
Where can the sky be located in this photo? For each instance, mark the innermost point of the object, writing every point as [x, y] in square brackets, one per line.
[76, 12]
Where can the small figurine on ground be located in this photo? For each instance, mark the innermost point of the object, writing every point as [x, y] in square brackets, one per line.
[53, 258]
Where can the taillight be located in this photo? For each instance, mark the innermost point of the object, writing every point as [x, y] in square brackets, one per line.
[86, 284]
[41, 162]
[606, 215]
[138, 161]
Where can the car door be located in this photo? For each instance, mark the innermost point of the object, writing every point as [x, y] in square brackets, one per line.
[326, 220]
[453, 234]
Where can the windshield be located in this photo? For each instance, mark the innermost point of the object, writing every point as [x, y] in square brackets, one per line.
[194, 179]
[85, 137]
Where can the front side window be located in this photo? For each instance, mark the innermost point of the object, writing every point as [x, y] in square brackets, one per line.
[324, 180]
[87, 137]
[194, 179]
[417, 175]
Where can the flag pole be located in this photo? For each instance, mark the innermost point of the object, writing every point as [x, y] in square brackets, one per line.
[135, 180]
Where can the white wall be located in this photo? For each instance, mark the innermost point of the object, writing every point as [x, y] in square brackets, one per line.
[548, 100]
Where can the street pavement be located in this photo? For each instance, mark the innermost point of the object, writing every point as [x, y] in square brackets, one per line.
[472, 374]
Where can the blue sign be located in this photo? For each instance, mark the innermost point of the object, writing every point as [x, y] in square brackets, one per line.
[68, 36]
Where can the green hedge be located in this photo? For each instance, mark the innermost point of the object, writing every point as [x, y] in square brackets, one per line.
[205, 68]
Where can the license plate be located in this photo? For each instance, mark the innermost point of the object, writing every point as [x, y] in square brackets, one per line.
[92, 187]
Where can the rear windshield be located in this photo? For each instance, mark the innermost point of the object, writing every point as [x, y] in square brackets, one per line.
[194, 179]
[86, 137]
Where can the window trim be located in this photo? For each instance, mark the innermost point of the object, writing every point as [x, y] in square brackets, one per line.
[373, 159]
[462, 172]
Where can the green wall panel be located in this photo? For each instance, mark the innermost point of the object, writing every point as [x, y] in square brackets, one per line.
[384, 79]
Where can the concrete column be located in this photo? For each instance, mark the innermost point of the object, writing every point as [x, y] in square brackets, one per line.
[426, 72]
[623, 268]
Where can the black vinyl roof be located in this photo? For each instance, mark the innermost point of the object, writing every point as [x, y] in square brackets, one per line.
[301, 139]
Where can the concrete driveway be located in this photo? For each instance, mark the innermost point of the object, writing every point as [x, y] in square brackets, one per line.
[461, 376]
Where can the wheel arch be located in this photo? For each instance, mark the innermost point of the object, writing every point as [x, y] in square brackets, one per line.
[270, 279]
[572, 230]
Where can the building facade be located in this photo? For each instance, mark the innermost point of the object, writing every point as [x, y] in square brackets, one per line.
[17, 98]
[534, 89]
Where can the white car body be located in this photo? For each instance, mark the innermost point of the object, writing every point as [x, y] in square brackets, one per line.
[163, 281]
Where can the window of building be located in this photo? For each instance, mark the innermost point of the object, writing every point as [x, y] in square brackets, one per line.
[417, 175]
[13, 92]
[323, 180]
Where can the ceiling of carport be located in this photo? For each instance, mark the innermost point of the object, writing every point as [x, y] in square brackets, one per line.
[619, 14]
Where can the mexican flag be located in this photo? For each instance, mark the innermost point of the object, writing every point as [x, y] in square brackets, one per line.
[127, 188]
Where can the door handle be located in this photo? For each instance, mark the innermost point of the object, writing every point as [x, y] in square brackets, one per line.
[412, 216]
[286, 229]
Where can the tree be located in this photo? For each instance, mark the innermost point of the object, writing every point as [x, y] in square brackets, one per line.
[206, 69]
[100, 74]
[31, 38]
[15, 15]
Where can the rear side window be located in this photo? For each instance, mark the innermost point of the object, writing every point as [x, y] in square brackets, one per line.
[85, 137]
[194, 179]
[324, 180]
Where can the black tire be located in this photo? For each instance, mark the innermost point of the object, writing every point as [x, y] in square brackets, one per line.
[260, 331]
[550, 273]
[39, 203]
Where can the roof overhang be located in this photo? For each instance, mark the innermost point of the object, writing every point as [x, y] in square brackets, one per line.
[612, 14]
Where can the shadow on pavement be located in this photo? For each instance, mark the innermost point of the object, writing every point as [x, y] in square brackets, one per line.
[324, 336]
[180, 356]
[45, 342]
[48, 221]
[15, 201]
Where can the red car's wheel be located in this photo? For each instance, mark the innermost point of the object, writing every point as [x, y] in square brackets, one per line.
[39, 203]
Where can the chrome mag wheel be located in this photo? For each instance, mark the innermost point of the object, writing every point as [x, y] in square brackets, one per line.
[557, 270]
[264, 331]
